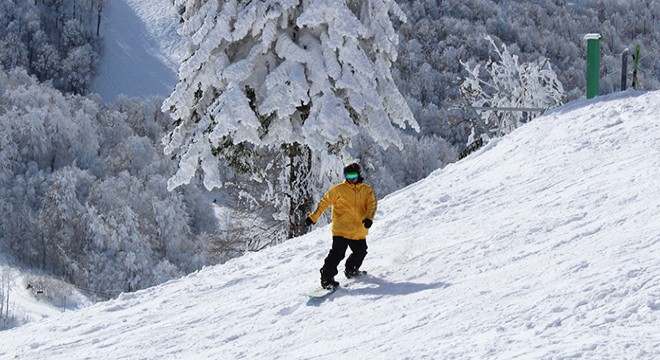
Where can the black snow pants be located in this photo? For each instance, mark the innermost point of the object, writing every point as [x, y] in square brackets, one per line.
[337, 253]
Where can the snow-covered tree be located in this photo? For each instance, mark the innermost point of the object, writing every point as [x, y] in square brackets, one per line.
[51, 39]
[509, 83]
[440, 33]
[61, 219]
[298, 77]
[83, 190]
[78, 68]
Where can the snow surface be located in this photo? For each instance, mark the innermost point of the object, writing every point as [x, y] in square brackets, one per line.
[544, 244]
[141, 49]
[33, 303]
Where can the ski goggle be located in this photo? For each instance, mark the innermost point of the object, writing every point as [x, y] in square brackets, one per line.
[352, 176]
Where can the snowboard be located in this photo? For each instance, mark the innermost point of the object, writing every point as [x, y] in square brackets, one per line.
[320, 293]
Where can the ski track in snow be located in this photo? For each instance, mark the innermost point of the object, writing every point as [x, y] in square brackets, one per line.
[543, 244]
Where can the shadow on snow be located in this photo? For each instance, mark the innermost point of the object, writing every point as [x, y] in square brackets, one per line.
[387, 288]
[379, 288]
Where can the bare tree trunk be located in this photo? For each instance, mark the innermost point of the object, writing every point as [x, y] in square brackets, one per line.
[98, 19]
[6, 284]
[7, 306]
[2, 295]
[300, 196]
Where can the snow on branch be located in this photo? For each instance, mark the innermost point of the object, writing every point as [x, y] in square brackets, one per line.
[506, 83]
[280, 71]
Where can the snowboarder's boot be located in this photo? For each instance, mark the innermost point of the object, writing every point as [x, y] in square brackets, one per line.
[328, 282]
[354, 273]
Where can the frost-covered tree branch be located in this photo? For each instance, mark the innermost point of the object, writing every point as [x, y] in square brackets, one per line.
[507, 83]
[269, 73]
[278, 90]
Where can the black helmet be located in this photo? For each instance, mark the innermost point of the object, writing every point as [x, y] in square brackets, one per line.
[352, 168]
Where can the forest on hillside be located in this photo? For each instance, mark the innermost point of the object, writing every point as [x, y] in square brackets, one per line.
[84, 189]
[441, 33]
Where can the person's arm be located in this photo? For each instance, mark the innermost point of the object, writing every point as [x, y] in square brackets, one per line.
[372, 205]
[323, 205]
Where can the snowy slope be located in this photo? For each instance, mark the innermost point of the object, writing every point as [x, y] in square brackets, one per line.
[33, 296]
[544, 244]
[141, 49]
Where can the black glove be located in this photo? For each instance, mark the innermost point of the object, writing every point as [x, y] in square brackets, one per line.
[367, 223]
[308, 221]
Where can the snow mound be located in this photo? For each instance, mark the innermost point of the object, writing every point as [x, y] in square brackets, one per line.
[544, 244]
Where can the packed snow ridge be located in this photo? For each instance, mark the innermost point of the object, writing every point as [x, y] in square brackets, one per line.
[544, 244]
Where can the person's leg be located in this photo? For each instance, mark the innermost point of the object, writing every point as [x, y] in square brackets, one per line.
[358, 253]
[335, 256]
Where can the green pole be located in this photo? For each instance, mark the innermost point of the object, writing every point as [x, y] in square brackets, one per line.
[635, 66]
[593, 64]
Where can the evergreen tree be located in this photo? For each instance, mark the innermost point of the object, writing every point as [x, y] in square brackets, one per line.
[299, 78]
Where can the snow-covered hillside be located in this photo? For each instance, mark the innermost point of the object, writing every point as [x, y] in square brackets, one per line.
[544, 244]
[141, 49]
[33, 296]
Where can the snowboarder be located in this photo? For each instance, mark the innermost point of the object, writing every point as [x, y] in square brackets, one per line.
[353, 210]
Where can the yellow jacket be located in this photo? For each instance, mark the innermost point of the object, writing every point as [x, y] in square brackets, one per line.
[351, 203]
